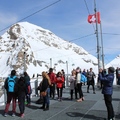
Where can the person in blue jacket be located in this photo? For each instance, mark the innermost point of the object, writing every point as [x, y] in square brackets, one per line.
[107, 90]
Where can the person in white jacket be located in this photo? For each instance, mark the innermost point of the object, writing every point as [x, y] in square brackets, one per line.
[72, 82]
[79, 82]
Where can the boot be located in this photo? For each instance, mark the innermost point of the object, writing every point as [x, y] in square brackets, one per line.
[43, 107]
[53, 96]
[71, 97]
[87, 90]
[47, 108]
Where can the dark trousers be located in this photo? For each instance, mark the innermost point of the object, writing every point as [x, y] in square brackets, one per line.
[59, 92]
[118, 82]
[52, 90]
[46, 100]
[108, 103]
[21, 102]
[101, 84]
[79, 86]
[71, 94]
[78, 89]
[28, 98]
[91, 83]
[11, 97]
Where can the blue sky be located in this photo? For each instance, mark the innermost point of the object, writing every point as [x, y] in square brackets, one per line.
[68, 20]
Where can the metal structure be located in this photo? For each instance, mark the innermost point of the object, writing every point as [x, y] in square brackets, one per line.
[98, 43]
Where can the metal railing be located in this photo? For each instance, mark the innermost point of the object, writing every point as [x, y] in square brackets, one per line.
[34, 84]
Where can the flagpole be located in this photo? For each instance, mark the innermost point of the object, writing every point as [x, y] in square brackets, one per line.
[98, 47]
[102, 46]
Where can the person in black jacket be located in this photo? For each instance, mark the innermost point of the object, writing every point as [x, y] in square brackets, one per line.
[107, 90]
[90, 77]
[20, 89]
[45, 83]
[28, 88]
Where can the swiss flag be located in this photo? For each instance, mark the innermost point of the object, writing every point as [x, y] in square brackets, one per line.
[92, 18]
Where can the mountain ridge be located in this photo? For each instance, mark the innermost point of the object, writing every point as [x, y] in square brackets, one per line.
[29, 47]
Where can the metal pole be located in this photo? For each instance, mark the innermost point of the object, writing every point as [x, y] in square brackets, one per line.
[24, 62]
[67, 73]
[98, 47]
[102, 46]
[36, 85]
[50, 62]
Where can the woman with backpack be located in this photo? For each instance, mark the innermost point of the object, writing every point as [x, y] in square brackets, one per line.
[11, 96]
[80, 79]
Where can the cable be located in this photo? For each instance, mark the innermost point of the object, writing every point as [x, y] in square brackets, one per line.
[81, 37]
[32, 14]
[113, 48]
[108, 61]
[87, 6]
[89, 13]
[111, 33]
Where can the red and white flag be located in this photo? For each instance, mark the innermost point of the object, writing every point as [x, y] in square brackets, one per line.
[92, 18]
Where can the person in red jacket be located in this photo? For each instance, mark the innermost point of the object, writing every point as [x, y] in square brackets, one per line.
[52, 79]
[59, 85]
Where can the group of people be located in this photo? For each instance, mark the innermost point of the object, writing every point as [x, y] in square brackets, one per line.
[79, 78]
[17, 88]
[106, 80]
[51, 81]
[57, 83]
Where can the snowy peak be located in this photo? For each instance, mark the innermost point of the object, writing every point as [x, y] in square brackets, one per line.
[114, 63]
[30, 47]
[30, 31]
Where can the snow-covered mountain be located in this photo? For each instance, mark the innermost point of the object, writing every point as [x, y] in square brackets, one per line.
[29, 47]
[115, 62]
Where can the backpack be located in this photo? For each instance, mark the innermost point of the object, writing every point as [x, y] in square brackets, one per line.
[11, 83]
[83, 78]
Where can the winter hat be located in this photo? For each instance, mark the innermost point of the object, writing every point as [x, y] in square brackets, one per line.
[111, 69]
